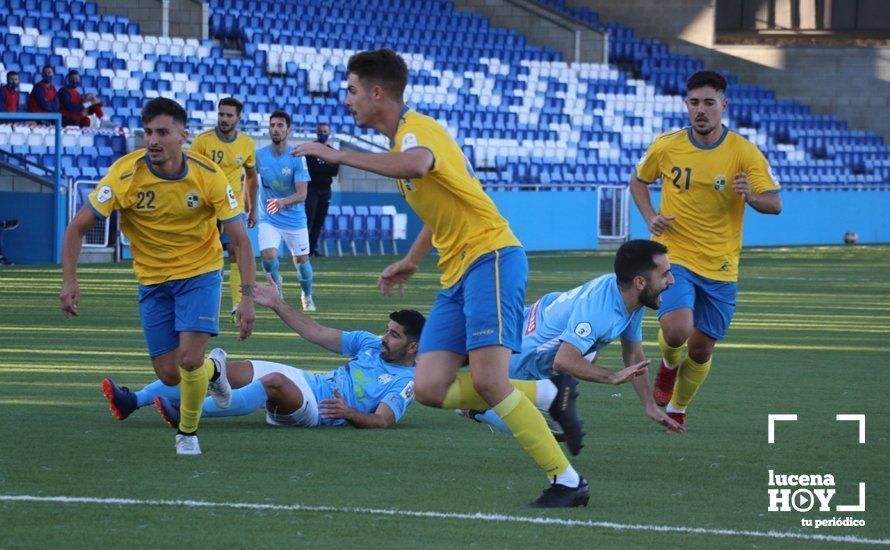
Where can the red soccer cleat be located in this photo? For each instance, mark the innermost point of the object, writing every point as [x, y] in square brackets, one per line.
[664, 385]
[679, 418]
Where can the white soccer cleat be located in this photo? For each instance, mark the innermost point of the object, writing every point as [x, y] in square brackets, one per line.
[187, 445]
[280, 286]
[308, 302]
[220, 389]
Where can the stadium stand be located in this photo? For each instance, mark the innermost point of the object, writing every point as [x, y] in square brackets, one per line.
[526, 118]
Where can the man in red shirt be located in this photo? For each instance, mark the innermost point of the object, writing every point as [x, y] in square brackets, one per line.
[76, 109]
[42, 98]
[9, 94]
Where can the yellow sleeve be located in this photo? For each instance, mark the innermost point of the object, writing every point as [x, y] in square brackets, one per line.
[103, 199]
[250, 154]
[221, 196]
[648, 168]
[417, 136]
[199, 146]
[760, 175]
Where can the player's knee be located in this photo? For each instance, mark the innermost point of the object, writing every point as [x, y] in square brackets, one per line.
[492, 391]
[675, 335]
[700, 352]
[269, 254]
[428, 394]
[273, 382]
[169, 377]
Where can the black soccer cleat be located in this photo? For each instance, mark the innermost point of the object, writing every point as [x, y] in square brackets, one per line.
[563, 411]
[560, 496]
[121, 400]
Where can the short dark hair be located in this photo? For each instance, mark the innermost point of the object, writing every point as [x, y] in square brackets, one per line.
[11, 73]
[163, 106]
[706, 78]
[322, 124]
[45, 67]
[411, 320]
[73, 71]
[382, 67]
[277, 113]
[231, 102]
[636, 257]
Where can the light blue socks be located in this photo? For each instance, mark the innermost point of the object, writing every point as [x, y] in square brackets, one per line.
[305, 271]
[244, 401]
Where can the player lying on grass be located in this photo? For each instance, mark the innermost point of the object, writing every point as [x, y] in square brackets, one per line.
[372, 390]
[562, 328]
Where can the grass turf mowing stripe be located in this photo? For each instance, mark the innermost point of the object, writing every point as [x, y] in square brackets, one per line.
[478, 516]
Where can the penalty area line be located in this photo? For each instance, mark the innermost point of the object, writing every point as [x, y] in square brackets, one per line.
[478, 516]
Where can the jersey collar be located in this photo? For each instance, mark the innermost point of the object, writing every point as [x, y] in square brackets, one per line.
[182, 175]
[402, 119]
[224, 140]
[707, 147]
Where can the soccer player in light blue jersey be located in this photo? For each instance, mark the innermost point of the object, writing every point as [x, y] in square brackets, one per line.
[563, 329]
[284, 186]
[372, 390]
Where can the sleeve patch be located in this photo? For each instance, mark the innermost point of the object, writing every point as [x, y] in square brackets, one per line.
[104, 194]
[409, 140]
[408, 392]
[233, 202]
[583, 330]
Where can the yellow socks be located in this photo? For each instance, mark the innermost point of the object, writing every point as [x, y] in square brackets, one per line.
[462, 395]
[531, 431]
[235, 284]
[192, 391]
[671, 355]
[691, 376]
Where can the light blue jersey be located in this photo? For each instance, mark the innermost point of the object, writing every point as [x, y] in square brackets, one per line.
[278, 174]
[589, 317]
[366, 381]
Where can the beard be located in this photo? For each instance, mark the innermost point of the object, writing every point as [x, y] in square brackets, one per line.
[650, 298]
[277, 141]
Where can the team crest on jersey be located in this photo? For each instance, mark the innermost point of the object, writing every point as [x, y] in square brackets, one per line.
[384, 379]
[239, 159]
[191, 199]
[104, 194]
[286, 171]
[233, 202]
[720, 182]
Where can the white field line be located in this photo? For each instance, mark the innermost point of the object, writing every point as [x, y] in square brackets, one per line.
[478, 516]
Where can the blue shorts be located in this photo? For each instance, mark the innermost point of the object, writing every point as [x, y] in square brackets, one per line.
[484, 308]
[712, 302]
[186, 305]
[224, 238]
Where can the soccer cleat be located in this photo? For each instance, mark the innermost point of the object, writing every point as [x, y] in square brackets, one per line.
[560, 496]
[308, 302]
[663, 388]
[469, 413]
[564, 413]
[220, 389]
[169, 411]
[279, 286]
[234, 316]
[679, 418]
[187, 445]
[120, 399]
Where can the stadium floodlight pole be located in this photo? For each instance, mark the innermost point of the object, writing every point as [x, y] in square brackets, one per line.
[59, 198]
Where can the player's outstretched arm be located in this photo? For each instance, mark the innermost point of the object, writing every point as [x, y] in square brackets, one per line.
[246, 315]
[632, 353]
[330, 339]
[335, 408]
[569, 359]
[414, 163]
[71, 245]
[397, 274]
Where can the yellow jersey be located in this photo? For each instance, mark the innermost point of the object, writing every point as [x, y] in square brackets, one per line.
[464, 221]
[170, 222]
[231, 155]
[706, 236]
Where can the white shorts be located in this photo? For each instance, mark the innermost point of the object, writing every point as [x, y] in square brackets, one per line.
[304, 417]
[297, 240]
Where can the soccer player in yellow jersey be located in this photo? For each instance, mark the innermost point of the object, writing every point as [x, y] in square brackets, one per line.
[478, 315]
[708, 174]
[233, 151]
[169, 201]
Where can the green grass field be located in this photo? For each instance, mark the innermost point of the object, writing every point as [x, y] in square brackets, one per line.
[810, 336]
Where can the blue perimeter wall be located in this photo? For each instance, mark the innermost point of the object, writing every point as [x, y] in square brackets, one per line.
[807, 218]
[548, 220]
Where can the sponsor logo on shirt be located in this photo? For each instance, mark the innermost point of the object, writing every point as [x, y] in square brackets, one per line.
[286, 171]
[532, 324]
[385, 379]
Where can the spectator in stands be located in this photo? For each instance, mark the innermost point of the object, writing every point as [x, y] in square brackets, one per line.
[6, 225]
[42, 98]
[318, 199]
[75, 108]
[9, 94]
